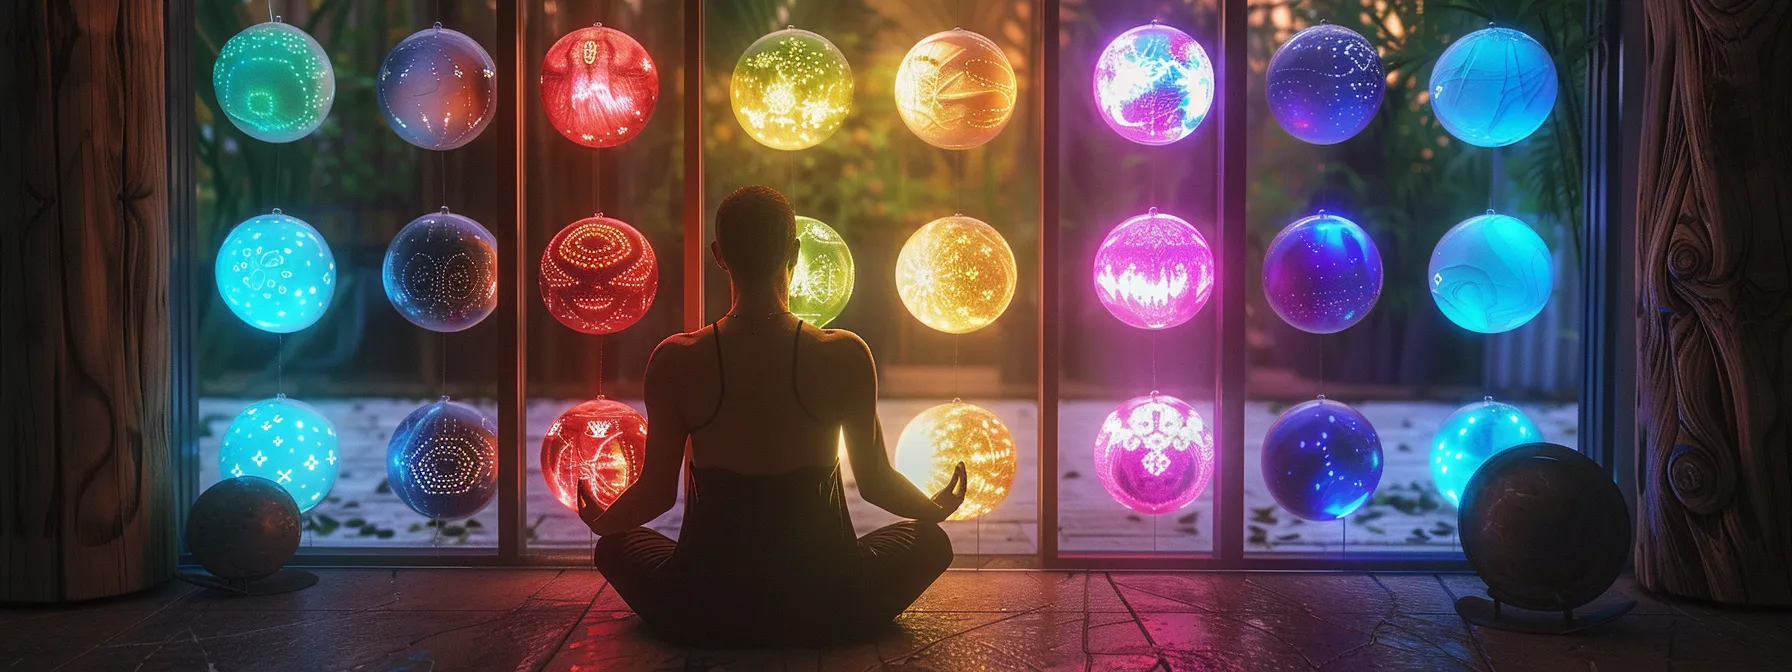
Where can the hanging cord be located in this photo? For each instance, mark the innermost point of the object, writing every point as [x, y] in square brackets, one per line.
[600, 366]
[280, 364]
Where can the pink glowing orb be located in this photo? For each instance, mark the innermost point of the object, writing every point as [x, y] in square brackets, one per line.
[1154, 271]
[1154, 454]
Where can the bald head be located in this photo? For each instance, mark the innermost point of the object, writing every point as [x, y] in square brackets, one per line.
[755, 235]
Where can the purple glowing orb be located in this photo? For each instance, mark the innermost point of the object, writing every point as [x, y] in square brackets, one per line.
[1321, 460]
[1325, 84]
[1153, 84]
[1322, 274]
[1154, 454]
[1154, 271]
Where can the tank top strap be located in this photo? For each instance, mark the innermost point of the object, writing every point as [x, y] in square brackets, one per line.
[795, 389]
[715, 334]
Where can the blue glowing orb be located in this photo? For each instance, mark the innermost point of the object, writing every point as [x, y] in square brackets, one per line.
[442, 460]
[1322, 274]
[1491, 274]
[287, 442]
[1153, 84]
[437, 88]
[276, 273]
[1321, 460]
[1471, 435]
[1493, 87]
[441, 272]
[1325, 84]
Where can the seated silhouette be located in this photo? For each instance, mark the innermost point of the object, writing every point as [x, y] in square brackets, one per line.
[766, 554]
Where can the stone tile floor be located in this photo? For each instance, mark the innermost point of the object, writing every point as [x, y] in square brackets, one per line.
[566, 619]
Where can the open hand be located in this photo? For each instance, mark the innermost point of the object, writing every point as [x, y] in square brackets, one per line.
[589, 508]
[951, 497]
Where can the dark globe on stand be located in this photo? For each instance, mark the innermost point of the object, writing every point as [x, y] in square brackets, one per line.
[1545, 527]
[244, 528]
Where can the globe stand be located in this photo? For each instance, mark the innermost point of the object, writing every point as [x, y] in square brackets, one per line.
[1499, 616]
[283, 581]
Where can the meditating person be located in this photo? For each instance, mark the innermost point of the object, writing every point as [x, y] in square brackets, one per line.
[766, 554]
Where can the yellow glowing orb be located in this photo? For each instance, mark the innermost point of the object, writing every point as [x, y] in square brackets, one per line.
[939, 438]
[956, 274]
[791, 89]
[955, 89]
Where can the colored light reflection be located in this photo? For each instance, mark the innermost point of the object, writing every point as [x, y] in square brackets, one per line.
[1154, 271]
[1321, 460]
[933, 444]
[791, 89]
[598, 275]
[956, 274]
[1470, 436]
[955, 89]
[1322, 274]
[1154, 454]
[1491, 274]
[601, 441]
[1153, 84]
[599, 86]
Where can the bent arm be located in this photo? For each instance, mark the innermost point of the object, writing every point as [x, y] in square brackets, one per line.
[657, 489]
[879, 483]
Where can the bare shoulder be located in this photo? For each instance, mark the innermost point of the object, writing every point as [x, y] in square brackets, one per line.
[839, 346]
[677, 350]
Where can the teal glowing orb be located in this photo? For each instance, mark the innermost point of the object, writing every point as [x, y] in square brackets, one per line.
[274, 82]
[1493, 87]
[276, 273]
[287, 442]
[1491, 273]
[821, 283]
[1471, 435]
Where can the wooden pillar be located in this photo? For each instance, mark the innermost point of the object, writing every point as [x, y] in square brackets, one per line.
[1714, 360]
[86, 505]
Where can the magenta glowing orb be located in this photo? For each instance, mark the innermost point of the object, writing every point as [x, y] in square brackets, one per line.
[1154, 271]
[1153, 84]
[1154, 454]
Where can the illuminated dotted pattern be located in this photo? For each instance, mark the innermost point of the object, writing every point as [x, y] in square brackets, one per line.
[601, 441]
[1470, 436]
[598, 275]
[1491, 273]
[442, 460]
[791, 89]
[274, 82]
[437, 88]
[1322, 274]
[956, 274]
[1493, 87]
[933, 444]
[287, 442]
[1321, 460]
[1154, 454]
[955, 89]
[276, 273]
[441, 272]
[1154, 271]
[599, 86]
[1325, 84]
[1153, 84]
[821, 284]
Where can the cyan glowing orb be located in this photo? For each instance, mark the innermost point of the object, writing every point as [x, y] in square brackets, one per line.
[441, 272]
[442, 460]
[1153, 84]
[274, 82]
[276, 273]
[1325, 84]
[1471, 435]
[821, 284]
[1321, 460]
[1491, 273]
[1154, 454]
[287, 442]
[1154, 271]
[437, 88]
[1322, 274]
[792, 89]
[1493, 87]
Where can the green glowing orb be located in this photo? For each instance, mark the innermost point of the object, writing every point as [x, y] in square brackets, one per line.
[274, 82]
[821, 284]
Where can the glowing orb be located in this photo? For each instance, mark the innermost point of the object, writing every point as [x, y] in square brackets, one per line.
[933, 444]
[1325, 84]
[791, 89]
[442, 460]
[1493, 87]
[287, 442]
[437, 88]
[956, 274]
[821, 284]
[1154, 271]
[598, 86]
[243, 529]
[1154, 454]
[955, 89]
[598, 275]
[601, 441]
[1321, 460]
[1491, 274]
[1153, 84]
[441, 272]
[276, 273]
[1471, 435]
[274, 82]
[1322, 274]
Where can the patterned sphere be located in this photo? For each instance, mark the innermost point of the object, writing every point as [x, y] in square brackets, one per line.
[442, 460]
[1321, 460]
[821, 284]
[1325, 84]
[274, 82]
[601, 441]
[441, 272]
[1471, 435]
[933, 444]
[243, 529]
[955, 89]
[599, 86]
[1491, 274]
[956, 274]
[437, 88]
[1545, 527]
[791, 89]
[1154, 454]
[1154, 271]
[1153, 84]
[1322, 274]
[599, 275]
[1493, 87]
[276, 273]
[285, 441]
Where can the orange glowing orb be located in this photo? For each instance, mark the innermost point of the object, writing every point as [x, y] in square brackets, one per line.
[598, 275]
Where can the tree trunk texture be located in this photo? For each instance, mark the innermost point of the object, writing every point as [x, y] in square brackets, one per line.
[1714, 362]
[86, 498]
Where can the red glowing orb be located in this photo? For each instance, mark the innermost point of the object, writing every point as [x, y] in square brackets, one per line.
[598, 275]
[601, 441]
[599, 86]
